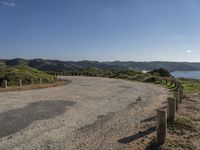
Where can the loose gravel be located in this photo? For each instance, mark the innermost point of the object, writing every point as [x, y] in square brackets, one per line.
[89, 113]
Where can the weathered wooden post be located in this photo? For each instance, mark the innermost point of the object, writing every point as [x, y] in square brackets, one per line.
[177, 99]
[171, 109]
[180, 94]
[5, 84]
[161, 130]
[40, 80]
[20, 83]
[32, 81]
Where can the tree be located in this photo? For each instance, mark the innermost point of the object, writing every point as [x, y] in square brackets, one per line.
[161, 71]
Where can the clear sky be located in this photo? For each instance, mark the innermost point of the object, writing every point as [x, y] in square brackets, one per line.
[103, 30]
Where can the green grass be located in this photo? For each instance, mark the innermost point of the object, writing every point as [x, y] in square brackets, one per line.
[180, 125]
[191, 86]
[14, 74]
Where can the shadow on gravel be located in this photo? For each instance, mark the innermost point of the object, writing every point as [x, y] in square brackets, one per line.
[137, 136]
[15, 120]
[153, 145]
[153, 118]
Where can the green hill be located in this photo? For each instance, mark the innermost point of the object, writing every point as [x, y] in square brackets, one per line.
[25, 73]
[63, 66]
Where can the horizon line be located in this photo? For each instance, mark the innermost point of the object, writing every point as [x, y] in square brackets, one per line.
[101, 61]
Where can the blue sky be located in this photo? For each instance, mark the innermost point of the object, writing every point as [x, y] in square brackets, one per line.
[103, 30]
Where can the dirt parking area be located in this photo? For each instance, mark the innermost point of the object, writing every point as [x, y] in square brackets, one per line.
[89, 113]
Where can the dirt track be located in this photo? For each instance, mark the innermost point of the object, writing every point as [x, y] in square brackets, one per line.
[89, 113]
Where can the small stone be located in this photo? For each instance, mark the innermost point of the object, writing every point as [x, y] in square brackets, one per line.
[10, 137]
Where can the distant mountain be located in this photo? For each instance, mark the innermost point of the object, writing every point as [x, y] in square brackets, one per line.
[58, 66]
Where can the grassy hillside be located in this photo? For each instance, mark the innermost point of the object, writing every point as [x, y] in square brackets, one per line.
[25, 73]
[191, 85]
[61, 66]
[118, 74]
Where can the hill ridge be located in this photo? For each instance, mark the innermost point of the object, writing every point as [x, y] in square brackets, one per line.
[59, 65]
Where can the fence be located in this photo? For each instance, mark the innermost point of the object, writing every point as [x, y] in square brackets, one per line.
[20, 83]
[169, 115]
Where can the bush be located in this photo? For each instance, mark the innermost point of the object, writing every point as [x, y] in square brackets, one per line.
[24, 73]
[161, 72]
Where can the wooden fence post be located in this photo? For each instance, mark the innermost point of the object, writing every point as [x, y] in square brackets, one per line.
[5, 84]
[171, 109]
[177, 99]
[161, 130]
[32, 82]
[178, 94]
[40, 80]
[181, 94]
[20, 83]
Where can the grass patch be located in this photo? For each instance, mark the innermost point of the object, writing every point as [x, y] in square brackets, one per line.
[191, 86]
[24, 73]
[180, 125]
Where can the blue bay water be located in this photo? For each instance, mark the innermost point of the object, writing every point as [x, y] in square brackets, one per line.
[186, 74]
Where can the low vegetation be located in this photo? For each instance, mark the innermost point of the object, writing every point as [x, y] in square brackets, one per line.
[56, 65]
[191, 85]
[24, 73]
[160, 72]
[118, 74]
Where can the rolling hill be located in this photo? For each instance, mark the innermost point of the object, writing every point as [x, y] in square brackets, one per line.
[22, 72]
[59, 66]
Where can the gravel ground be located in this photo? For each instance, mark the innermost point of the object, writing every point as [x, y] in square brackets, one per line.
[89, 113]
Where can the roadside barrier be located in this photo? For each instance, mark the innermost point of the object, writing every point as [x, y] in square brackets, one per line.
[169, 115]
[40, 80]
[20, 83]
[176, 99]
[171, 109]
[5, 84]
[161, 129]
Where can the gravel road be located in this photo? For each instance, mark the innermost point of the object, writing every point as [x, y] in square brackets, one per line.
[89, 113]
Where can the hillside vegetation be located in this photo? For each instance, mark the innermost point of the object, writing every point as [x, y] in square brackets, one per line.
[60, 66]
[25, 73]
[16, 69]
[191, 86]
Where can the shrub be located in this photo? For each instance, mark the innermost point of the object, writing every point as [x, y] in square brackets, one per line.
[161, 72]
